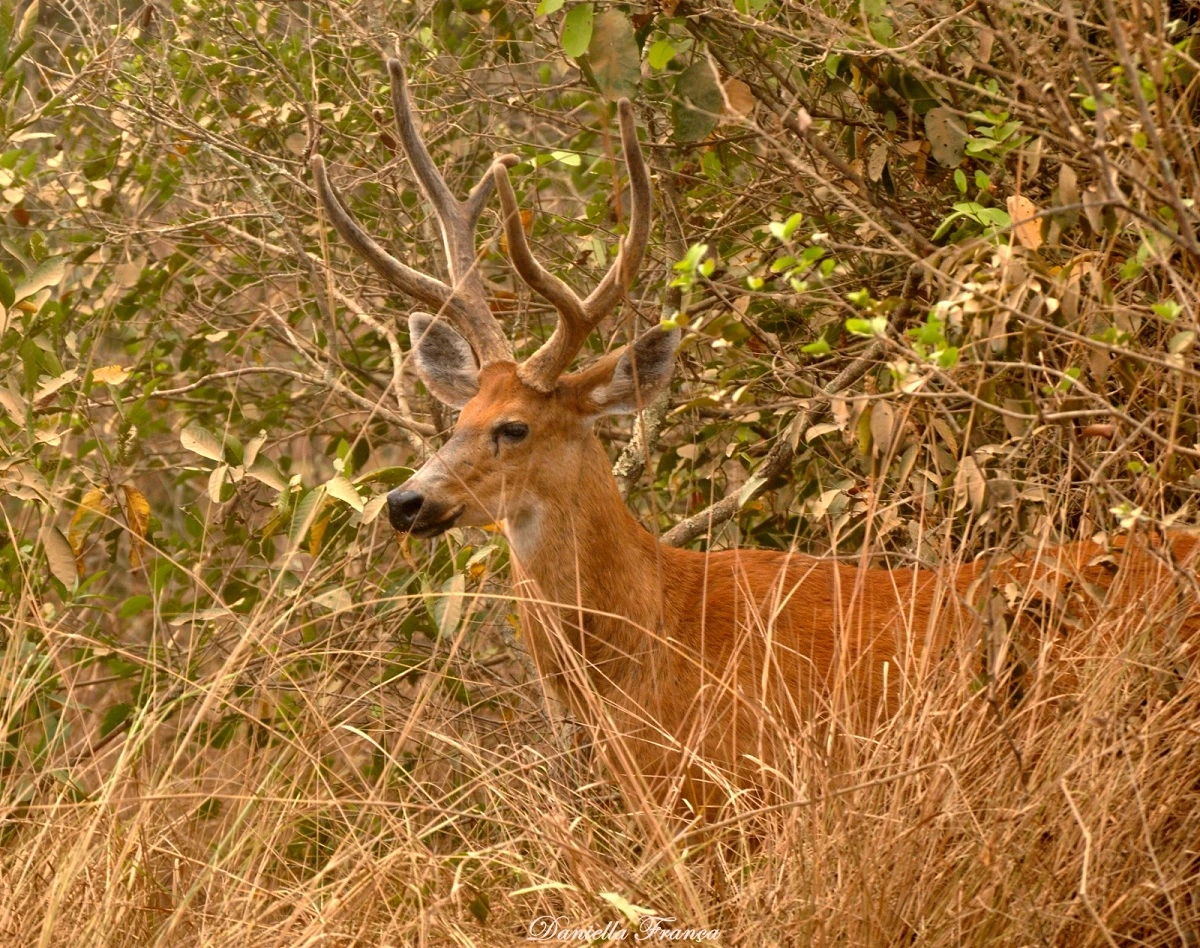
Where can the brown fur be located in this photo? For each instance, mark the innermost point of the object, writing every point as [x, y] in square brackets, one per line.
[689, 662]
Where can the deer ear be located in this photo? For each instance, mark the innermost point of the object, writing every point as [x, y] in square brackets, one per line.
[631, 380]
[444, 360]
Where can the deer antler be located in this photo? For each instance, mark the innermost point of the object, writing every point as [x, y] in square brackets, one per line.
[464, 300]
[577, 318]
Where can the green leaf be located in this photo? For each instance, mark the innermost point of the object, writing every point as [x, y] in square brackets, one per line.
[783, 230]
[1168, 310]
[341, 489]
[304, 515]
[577, 30]
[661, 52]
[134, 606]
[995, 217]
[882, 30]
[388, 476]
[203, 442]
[264, 470]
[7, 294]
[944, 227]
[811, 255]
[698, 101]
[695, 254]
[819, 348]
[613, 55]
[875, 326]
[49, 273]
[947, 358]
[114, 717]
[930, 333]
[960, 180]
[546, 7]
[29, 22]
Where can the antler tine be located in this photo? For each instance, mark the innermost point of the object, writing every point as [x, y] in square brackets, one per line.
[457, 221]
[577, 318]
[464, 301]
[420, 286]
[620, 275]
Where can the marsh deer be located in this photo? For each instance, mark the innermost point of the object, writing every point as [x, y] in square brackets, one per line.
[689, 660]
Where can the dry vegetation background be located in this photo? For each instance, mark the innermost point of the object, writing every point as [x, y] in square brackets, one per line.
[234, 709]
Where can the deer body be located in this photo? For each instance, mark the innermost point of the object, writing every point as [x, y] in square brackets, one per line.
[686, 662]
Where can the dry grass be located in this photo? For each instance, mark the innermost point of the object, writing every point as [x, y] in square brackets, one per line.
[347, 808]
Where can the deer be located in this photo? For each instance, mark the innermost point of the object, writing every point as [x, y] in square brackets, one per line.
[690, 660]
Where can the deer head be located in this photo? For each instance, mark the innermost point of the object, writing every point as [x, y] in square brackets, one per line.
[522, 427]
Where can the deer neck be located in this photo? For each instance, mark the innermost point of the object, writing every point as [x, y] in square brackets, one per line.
[579, 547]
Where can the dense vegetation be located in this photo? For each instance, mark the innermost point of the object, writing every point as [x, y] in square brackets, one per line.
[938, 267]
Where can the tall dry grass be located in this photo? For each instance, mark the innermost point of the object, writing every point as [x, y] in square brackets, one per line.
[1056, 801]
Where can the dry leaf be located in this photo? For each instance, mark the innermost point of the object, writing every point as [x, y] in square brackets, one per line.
[92, 508]
[317, 534]
[1093, 208]
[883, 429]
[1026, 224]
[49, 387]
[877, 162]
[947, 136]
[126, 275]
[739, 100]
[1033, 158]
[970, 484]
[137, 515]
[14, 404]
[110, 374]
[986, 38]
[59, 557]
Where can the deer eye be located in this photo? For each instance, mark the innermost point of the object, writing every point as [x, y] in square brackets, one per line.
[511, 431]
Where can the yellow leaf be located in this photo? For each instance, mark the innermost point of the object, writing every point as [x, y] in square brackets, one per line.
[110, 374]
[137, 515]
[739, 100]
[317, 534]
[1026, 224]
[92, 507]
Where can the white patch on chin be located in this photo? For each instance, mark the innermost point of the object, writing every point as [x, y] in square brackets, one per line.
[524, 533]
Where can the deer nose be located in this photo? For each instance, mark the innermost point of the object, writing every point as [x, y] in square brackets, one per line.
[403, 508]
